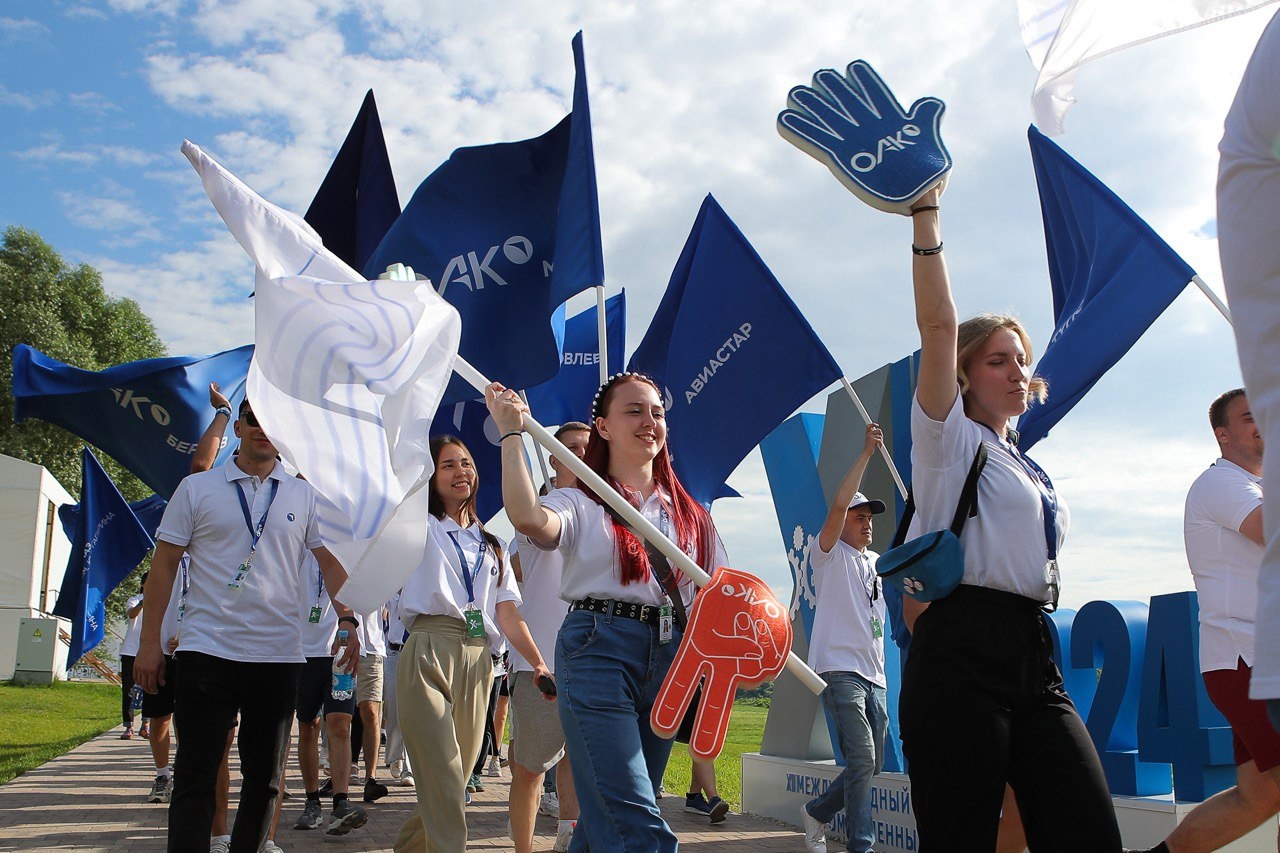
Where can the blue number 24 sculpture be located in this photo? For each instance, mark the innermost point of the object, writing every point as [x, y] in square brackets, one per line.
[855, 126]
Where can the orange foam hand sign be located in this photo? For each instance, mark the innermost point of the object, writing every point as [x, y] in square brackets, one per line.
[737, 632]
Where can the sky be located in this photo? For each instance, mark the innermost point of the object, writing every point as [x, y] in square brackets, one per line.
[96, 98]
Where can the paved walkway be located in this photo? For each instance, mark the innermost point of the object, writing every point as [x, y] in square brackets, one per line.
[94, 799]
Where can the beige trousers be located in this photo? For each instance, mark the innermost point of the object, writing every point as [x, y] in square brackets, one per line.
[442, 687]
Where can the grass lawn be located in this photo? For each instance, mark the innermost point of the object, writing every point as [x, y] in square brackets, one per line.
[746, 729]
[38, 723]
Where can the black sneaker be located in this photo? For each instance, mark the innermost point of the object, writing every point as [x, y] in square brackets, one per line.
[345, 817]
[719, 809]
[697, 804]
[374, 790]
[312, 814]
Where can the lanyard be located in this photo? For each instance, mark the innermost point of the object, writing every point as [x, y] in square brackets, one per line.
[469, 575]
[319, 583]
[874, 595]
[1049, 501]
[255, 532]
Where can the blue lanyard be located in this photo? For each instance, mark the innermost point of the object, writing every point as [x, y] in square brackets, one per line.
[469, 575]
[255, 532]
[1048, 498]
[319, 580]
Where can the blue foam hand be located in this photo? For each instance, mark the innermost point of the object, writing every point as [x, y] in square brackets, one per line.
[854, 125]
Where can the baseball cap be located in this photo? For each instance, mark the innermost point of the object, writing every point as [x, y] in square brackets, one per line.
[859, 499]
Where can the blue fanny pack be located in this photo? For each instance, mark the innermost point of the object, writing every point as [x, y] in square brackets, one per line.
[931, 566]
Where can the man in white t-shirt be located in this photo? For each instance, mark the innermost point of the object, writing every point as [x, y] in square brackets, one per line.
[847, 650]
[1222, 527]
[129, 651]
[246, 527]
[537, 742]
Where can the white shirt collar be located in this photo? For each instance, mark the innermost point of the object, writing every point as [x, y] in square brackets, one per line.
[235, 472]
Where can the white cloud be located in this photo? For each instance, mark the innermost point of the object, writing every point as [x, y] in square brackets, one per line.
[93, 102]
[10, 98]
[22, 29]
[88, 155]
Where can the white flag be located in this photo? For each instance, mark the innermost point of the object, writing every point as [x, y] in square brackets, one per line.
[1061, 35]
[346, 378]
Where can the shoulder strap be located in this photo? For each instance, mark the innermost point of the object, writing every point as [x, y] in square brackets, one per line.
[662, 569]
[966, 508]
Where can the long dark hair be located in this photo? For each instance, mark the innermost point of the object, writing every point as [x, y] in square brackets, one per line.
[435, 504]
[691, 522]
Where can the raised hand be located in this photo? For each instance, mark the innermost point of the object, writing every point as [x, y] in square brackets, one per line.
[737, 632]
[854, 125]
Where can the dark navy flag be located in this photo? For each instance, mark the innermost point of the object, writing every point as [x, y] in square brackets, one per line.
[1112, 276]
[148, 415]
[568, 396]
[357, 202]
[108, 543]
[734, 353]
[507, 232]
[148, 511]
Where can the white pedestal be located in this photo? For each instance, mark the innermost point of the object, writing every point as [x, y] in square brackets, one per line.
[778, 787]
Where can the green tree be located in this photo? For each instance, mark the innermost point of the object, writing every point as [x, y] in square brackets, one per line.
[63, 311]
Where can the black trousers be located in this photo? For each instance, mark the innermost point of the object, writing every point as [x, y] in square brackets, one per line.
[982, 705]
[210, 693]
[126, 689]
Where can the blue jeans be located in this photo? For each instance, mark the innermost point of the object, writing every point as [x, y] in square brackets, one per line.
[608, 671]
[858, 708]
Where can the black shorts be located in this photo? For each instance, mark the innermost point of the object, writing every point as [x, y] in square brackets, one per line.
[160, 703]
[315, 691]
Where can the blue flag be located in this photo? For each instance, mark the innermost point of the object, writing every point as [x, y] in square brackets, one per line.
[734, 353]
[507, 232]
[148, 511]
[109, 542]
[568, 396]
[148, 415]
[1112, 276]
[357, 202]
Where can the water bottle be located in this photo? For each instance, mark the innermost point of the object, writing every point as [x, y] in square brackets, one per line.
[344, 683]
[135, 697]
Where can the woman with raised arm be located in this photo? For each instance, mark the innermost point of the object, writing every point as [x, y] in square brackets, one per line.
[457, 604]
[625, 613]
[982, 701]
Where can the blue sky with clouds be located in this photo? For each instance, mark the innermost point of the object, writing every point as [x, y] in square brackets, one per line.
[96, 97]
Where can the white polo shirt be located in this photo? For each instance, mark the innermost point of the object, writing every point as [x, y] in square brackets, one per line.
[436, 587]
[542, 608]
[1004, 545]
[317, 637]
[132, 633]
[258, 622]
[169, 624]
[1224, 562]
[591, 566]
[373, 641]
[849, 598]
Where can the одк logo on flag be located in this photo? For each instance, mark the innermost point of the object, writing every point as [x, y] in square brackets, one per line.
[471, 269]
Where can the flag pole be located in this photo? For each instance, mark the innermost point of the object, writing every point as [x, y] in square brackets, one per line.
[542, 463]
[862, 410]
[629, 513]
[602, 335]
[1213, 297]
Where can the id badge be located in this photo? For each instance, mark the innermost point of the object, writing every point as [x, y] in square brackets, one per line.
[475, 623]
[877, 628]
[182, 609]
[666, 624]
[314, 618]
[240, 576]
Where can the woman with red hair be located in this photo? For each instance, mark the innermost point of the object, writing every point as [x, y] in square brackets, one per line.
[625, 612]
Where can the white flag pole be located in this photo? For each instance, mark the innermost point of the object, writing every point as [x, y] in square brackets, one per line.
[862, 410]
[1213, 297]
[632, 515]
[602, 335]
[537, 448]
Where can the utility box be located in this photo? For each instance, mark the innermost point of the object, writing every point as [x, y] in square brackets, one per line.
[38, 646]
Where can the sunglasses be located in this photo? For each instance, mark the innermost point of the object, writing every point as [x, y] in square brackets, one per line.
[248, 417]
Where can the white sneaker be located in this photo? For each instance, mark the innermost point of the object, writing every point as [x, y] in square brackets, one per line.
[563, 837]
[494, 768]
[815, 833]
[550, 804]
[407, 779]
[396, 768]
[220, 844]
[269, 846]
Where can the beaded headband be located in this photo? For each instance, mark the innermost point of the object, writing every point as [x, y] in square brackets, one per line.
[608, 383]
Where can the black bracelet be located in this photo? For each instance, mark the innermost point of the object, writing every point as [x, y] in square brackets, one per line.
[353, 620]
[922, 208]
[934, 251]
[507, 435]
